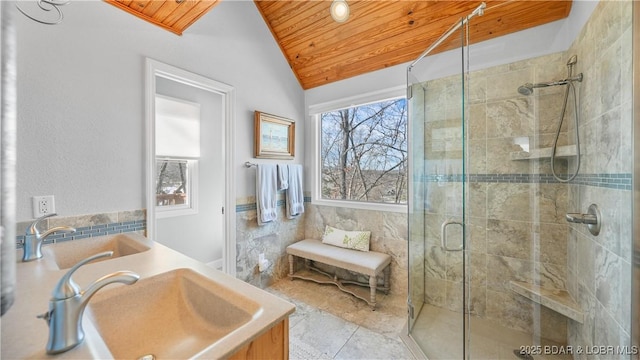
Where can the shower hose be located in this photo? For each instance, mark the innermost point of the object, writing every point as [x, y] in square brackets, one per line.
[571, 87]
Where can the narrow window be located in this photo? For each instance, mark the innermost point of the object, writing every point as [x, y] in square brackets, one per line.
[177, 153]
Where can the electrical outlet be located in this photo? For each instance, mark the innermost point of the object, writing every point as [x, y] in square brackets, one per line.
[43, 205]
[263, 263]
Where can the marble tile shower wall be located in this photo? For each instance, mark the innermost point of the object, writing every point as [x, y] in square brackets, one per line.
[515, 207]
[516, 210]
[599, 267]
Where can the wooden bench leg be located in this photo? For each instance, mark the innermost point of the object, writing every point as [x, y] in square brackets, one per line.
[387, 276]
[291, 266]
[373, 284]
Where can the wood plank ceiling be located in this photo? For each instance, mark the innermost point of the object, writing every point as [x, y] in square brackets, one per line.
[172, 15]
[378, 33]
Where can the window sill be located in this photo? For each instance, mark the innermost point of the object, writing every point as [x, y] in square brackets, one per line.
[399, 208]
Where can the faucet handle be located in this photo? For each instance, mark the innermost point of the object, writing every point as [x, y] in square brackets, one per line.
[33, 229]
[66, 287]
[46, 316]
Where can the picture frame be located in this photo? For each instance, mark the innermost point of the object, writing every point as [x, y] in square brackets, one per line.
[274, 137]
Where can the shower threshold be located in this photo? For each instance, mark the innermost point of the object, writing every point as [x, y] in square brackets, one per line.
[438, 333]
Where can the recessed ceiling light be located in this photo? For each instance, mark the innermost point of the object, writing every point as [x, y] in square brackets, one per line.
[340, 10]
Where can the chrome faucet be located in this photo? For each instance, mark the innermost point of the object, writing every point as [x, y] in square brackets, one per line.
[33, 238]
[68, 302]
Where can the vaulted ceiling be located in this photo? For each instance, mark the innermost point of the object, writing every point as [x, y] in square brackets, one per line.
[378, 33]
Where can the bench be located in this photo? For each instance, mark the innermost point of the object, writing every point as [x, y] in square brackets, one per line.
[369, 263]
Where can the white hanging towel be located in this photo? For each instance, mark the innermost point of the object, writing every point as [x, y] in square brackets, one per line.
[283, 177]
[295, 197]
[266, 193]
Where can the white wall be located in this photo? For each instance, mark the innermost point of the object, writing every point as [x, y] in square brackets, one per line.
[80, 93]
[81, 98]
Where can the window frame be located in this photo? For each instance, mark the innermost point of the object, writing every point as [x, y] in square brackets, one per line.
[315, 112]
[191, 208]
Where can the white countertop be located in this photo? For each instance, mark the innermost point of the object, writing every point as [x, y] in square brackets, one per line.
[23, 336]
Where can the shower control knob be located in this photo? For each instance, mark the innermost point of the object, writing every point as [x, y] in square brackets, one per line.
[593, 219]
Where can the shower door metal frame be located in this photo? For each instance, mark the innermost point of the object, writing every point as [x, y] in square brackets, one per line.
[414, 347]
[635, 311]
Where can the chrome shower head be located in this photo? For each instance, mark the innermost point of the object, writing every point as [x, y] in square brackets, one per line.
[526, 89]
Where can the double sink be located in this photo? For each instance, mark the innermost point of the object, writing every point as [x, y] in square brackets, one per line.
[177, 313]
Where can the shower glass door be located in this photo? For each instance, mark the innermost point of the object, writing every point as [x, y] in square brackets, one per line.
[531, 279]
[437, 206]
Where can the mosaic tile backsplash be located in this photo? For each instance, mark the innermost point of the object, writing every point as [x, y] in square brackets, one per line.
[612, 181]
[87, 226]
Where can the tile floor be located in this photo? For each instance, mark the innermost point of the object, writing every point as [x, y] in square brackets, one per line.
[329, 324]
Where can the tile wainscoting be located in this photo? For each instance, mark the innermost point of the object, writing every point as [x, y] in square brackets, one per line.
[388, 234]
[88, 226]
[271, 239]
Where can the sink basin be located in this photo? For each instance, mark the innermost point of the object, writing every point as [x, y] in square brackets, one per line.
[68, 253]
[174, 315]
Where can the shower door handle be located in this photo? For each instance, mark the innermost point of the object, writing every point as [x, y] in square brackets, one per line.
[443, 236]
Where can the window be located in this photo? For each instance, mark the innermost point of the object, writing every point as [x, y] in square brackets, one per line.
[174, 183]
[363, 154]
[177, 153]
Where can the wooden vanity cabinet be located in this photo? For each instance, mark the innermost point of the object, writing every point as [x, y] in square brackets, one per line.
[272, 345]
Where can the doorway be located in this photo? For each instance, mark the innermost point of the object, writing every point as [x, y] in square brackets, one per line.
[190, 210]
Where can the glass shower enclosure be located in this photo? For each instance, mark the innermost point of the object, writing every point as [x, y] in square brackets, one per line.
[496, 269]
[438, 276]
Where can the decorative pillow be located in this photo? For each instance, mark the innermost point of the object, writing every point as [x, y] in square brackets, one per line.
[357, 240]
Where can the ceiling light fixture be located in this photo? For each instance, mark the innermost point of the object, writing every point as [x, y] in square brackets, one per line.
[340, 10]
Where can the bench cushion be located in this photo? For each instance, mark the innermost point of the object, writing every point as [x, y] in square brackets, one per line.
[357, 240]
[370, 263]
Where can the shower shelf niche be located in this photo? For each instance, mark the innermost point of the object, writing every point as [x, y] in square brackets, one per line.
[555, 299]
[544, 153]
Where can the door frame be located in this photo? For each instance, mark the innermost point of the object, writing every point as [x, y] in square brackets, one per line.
[154, 68]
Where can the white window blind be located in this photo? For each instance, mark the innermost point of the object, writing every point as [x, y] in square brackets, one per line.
[177, 127]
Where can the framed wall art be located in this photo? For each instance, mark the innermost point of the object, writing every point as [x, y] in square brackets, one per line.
[274, 136]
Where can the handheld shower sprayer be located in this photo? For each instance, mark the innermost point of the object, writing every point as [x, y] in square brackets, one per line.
[527, 89]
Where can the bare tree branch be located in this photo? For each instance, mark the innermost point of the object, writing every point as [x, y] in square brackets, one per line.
[364, 152]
